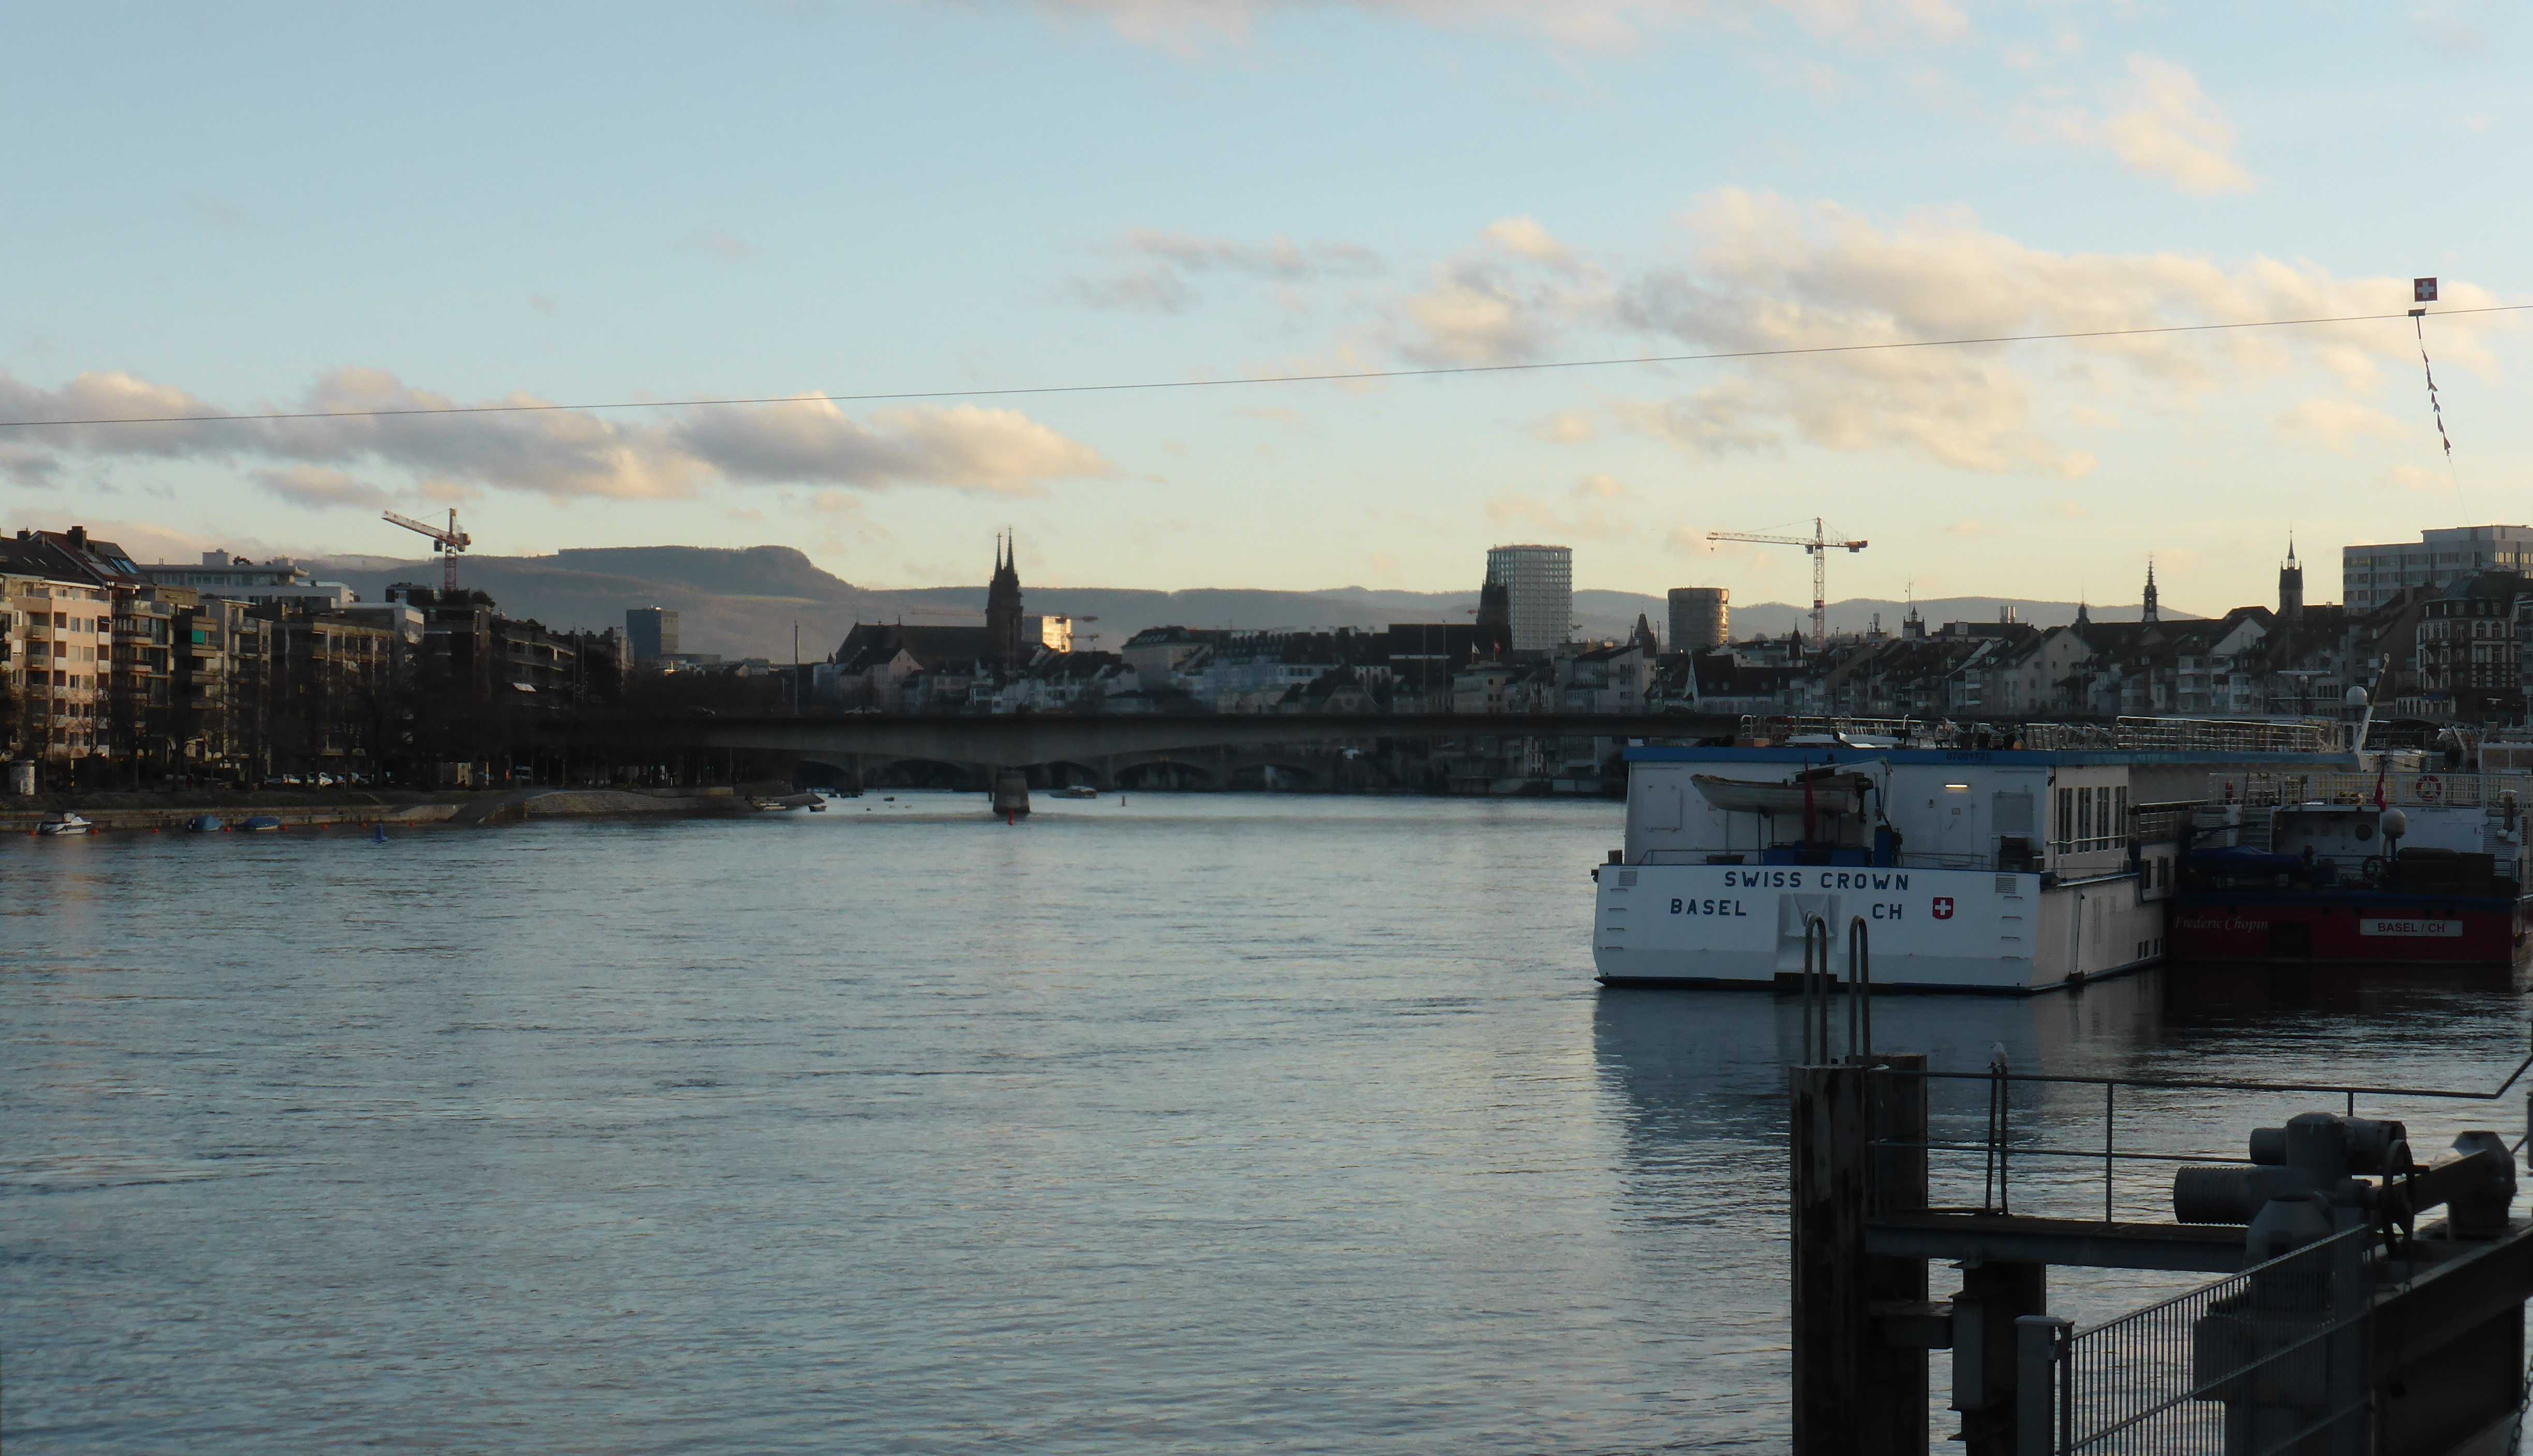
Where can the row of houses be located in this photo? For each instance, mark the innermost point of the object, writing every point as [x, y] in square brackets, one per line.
[1404, 667]
[2442, 653]
[111, 666]
[2446, 652]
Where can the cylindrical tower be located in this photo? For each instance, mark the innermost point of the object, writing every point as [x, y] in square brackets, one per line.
[1701, 618]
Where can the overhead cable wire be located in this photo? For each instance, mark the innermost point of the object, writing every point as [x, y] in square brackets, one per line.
[1335, 377]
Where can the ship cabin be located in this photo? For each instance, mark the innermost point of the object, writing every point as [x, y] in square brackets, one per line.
[2004, 811]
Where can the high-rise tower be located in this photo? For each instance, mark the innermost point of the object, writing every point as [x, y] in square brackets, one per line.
[1003, 603]
[1539, 582]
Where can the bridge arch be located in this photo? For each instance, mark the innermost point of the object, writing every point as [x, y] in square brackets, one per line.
[1165, 774]
[929, 773]
[1064, 773]
[1274, 775]
[819, 773]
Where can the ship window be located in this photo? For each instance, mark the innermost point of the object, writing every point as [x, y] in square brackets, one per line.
[2063, 830]
[2012, 813]
[2084, 820]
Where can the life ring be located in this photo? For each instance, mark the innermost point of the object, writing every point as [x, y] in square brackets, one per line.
[2429, 788]
[2372, 871]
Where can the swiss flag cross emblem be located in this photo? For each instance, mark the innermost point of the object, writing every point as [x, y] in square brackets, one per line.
[1943, 907]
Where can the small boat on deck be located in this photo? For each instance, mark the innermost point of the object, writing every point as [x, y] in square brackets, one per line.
[1827, 794]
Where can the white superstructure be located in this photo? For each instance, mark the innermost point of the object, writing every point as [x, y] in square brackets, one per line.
[1974, 869]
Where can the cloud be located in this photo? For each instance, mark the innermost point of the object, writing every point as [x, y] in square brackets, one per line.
[1498, 303]
[1189, 27]
[721, 246]
[1765, 274]
[560, 452]
[1279, 258]
[1166, 262]
[1159, 283]
[321, 487]
[1566, 428]
[2418, 477]
[2337, 424]
[2165, 125]
[1717, 420]
[1597, 508]
[1523, 237]
[217, 213]
[1143, 291]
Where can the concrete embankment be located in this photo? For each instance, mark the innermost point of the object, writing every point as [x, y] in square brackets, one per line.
[476, 809]
[544, 803]
[296, 816]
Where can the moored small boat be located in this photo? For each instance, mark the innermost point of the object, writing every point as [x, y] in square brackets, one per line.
[1077, 790]
[262, 824]
[1813, 793]
[57, 826]
[204, 824]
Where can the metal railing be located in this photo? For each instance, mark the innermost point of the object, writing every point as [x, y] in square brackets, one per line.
[2259, 1362]
[2409, 790]
[1997, 1147]
[2192, 735]
[1819, 987]
[2424, 876]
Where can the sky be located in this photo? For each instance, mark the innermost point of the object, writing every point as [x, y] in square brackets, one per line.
[250, 209]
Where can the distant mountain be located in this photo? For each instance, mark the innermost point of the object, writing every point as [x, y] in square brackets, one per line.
[745, 603]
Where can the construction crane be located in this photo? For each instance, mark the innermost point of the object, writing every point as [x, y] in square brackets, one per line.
[446, 543]
[1817, 546]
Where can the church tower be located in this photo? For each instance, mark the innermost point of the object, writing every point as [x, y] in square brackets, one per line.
[2147, 612]
[1003, 604]
[2291, 586]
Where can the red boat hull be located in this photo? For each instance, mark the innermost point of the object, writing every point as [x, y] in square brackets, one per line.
[2215, 928]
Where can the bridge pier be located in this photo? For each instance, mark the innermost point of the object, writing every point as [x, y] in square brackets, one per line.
[1011, 792]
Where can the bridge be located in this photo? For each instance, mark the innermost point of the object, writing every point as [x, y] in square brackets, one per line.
[1004, 745]
[1019, 740]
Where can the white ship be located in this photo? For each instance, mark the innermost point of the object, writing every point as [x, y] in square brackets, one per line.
[1993, 869]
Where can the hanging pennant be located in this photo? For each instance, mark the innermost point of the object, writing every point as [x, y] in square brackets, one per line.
[2433, 407]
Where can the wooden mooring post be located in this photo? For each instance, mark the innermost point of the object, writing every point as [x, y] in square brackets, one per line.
[1857, 1391]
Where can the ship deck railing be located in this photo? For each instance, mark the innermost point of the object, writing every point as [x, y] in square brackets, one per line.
[2192, 736]
[2423, 790]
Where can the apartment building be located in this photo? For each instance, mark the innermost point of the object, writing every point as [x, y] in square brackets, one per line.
[2373, 575]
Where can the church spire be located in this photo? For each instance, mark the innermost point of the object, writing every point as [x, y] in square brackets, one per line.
[1003, 603]
[2147, 612]
[2292, 585]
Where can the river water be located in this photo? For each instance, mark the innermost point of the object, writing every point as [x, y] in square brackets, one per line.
[1204, 1123]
